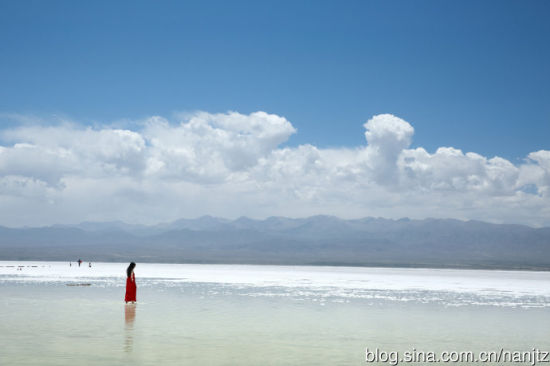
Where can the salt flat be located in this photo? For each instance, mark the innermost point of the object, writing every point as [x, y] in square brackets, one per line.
[195, 314]
[450, 286]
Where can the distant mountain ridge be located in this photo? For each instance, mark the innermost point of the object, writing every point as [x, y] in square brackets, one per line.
[316, 240]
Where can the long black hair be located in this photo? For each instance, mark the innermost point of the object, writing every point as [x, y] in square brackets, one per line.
[130, 269]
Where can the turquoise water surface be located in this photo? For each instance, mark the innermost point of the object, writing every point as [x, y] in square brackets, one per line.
[47, 318]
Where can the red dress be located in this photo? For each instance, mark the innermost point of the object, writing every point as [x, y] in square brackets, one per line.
[130, 288]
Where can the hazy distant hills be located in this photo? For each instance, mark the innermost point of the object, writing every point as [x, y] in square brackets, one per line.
[317, 240]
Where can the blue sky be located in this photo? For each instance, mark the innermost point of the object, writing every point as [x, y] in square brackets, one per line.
[148, 112]
[470, 74]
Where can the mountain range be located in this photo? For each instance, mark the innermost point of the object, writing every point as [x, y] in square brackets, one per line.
[316, 240]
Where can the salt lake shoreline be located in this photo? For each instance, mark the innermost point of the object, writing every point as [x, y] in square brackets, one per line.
[321, 264]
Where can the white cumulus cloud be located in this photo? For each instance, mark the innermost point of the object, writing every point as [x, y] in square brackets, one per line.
[232, 164]
[209, 147]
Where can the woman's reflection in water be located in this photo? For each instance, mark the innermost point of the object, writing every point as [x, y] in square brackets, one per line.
[129, 317]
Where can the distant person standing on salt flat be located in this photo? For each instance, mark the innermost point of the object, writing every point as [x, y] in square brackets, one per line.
[130, 284]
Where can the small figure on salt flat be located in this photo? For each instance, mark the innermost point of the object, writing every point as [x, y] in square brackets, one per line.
[131, 287]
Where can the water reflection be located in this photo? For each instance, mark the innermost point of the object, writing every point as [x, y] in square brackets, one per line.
[129, 318]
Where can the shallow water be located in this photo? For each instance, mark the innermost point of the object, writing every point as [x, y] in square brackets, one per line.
[261, 315]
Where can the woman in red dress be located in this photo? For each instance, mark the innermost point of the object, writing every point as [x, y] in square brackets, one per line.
[130, 284]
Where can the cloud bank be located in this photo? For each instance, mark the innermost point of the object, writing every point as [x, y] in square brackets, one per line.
[231, 164]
